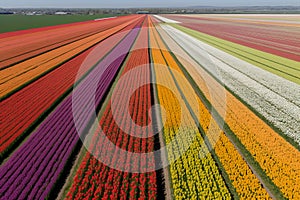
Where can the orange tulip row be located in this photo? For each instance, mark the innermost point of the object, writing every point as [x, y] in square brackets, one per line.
[192, 176]
[21, 45]
[15, 77]
[244, 181]
[277, 158]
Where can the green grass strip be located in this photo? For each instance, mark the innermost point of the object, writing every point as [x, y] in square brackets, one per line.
[286, 68]
[22, 22]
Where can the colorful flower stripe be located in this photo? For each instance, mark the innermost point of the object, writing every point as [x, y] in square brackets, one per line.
[286, 68]
[276, 157]
[107, 183]
[35, 43]
[244, 181]
[34, 168]
[272, 39]
[13, 78]
[26, 106]
[192, 177]
[274, 98]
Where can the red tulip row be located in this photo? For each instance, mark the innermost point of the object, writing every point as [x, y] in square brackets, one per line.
[25, 107]
[279, 40]
[94, 179]
[14, 49]
[35, 168]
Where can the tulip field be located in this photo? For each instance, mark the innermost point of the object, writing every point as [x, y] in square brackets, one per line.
[152, 107]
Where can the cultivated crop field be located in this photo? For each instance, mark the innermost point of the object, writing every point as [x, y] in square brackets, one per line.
[23, 22]
[152, 107]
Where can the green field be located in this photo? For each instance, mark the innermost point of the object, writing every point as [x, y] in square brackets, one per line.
[21, 22]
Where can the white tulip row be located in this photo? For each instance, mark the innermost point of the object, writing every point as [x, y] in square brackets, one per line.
[274, 97]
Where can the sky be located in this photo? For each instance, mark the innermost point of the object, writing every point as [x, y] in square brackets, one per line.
[138, 3]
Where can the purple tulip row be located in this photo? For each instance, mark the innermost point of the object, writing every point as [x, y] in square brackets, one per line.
[33, 169]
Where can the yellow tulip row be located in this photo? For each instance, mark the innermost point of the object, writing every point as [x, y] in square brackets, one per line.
[245, 182]
[192, 176]
[279, 159]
